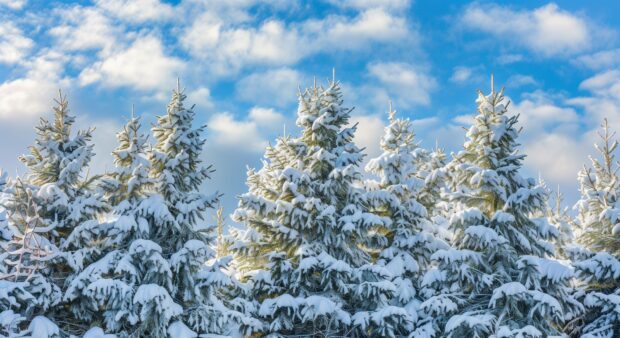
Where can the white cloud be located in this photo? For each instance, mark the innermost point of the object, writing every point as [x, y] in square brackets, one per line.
[461, 74]
[547, 30]
[201, 97]
[137, 11]
[403, 83]
[249, 134]
[14, 46]
[368, 134]
[25, 98]
[505, 59]
[275, 87]
[227, 46]
[370, 26]
[142, 66]
[364, 4]
[13, 4]
[606, 83]
[227, 49]
[601, 60]
[520, 80]
[85, 28]
[266, 117]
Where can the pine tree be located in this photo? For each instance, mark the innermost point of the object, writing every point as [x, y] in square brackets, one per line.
[154, 280]
[558, 216]
[397, 195]
[599, 231]
[305, 227]
[431, 169]
[103, 291]
[44, 209]
[179, 174]
[499, 278]
[599, 218]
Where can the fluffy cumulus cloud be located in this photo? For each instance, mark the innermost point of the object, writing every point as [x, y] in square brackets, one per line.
[601, 60]
[403, 83]
[13, 4]
[363, 4]
[276, 87]
[25, 98]
[137, 11]
[83, 29]
[547, 30]
[143, 65]
[228, 47]
[14, 46]
[250, 133]
[461, 74]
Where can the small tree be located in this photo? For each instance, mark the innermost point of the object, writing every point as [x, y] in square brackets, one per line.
[599, 232]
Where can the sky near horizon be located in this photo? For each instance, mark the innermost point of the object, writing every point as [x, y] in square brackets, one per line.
[241, 62]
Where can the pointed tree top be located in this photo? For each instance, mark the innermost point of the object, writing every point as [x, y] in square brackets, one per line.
[391, 112]
[334, 75]
[133, 111]
[178, 85]
[315, 89]
[492, 84]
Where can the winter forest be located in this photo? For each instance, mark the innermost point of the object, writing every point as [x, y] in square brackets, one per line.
[416, 243]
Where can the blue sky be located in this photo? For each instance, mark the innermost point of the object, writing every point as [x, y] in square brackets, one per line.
[242, 60]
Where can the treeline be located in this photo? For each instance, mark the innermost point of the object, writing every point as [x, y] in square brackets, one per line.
[431, 246]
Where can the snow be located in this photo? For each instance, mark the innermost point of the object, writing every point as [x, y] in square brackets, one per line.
[486, 235]
[484, 322]
[507, 291]
[601, 266]
[179, 330]
[553, 270]
[467, 216]
[41, 327]
[97, 332]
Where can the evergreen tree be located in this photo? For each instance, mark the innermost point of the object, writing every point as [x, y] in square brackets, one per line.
[499, 279]
[154, 280]
[599, 232]
[306, 224]
[44, 209]
[188, 239]
[431, 168]
[559, 217]
[397, 196]
[599, 217]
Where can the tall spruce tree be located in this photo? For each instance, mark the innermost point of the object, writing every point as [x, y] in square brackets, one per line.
[44, 208]
[599, 231]
[154, 279]
[306, 225]
[188, 238]
[397, 196]
[499, 279]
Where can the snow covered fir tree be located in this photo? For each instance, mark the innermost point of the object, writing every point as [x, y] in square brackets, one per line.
[307, 227]
[598, 225]
[327, 242]
[499, 278]
[410, 242]
[43, 209]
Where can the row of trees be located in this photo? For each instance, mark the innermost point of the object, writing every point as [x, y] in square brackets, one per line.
[427, 247]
